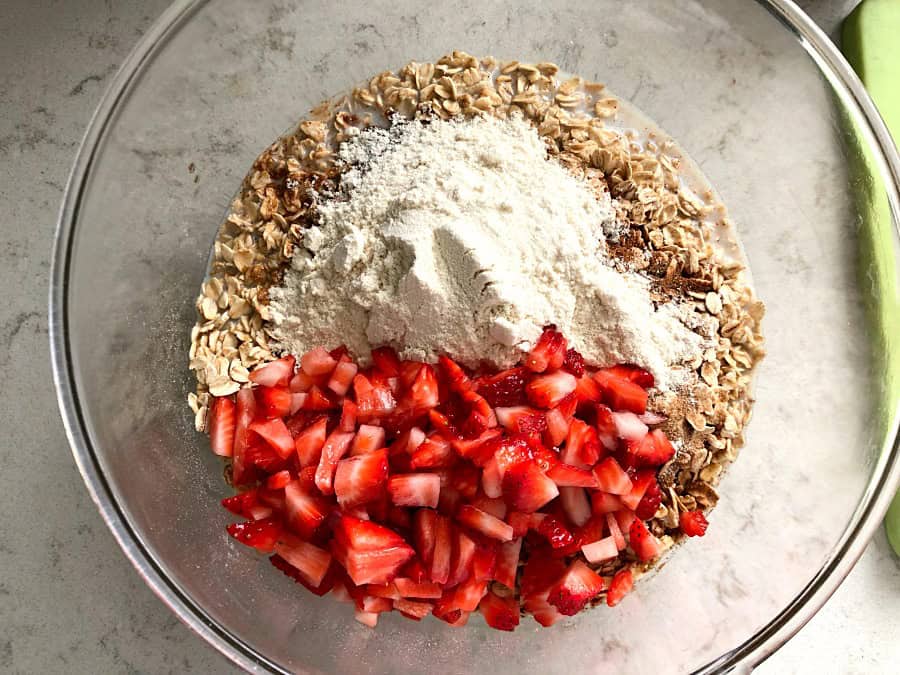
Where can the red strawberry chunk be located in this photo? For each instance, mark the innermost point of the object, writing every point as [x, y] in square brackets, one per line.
[434, 452]
[361, 479]
[413, 609]
[600, 551]
[373, 605]
[246, 411]
[465, 479]
[639, 485]
[443, 549]
[603, 503]
[612, 478]
[574, 501]
[371, 553]
[424, 390]
[624, 518]
[342, 377]
[259, 534]
[241, 503]
[417, 589]
[628, 426]
[546, 391]
[542, 611]
[455, 375]
[550, 527]
[222, 423]
[541, 572]
[301, 382]
[368, 439]
[520, 522]
[494, 506]
[573, 591]
[499, 613]
[549, 352]
[557, 427]
[653, 450]
[464, 597]
[462, 559]
[508, 562]
[615, 531]
[637, 375]
[348, 416]
[322, 589]
[309, 442]
[506, 388]
[478, 450]
[310, 561]
[278, 480]
[643, 543]
[526, 488]
[485, 560]
[491, 479]
[274, 374]
[621, 394]
[572, 476]
[582, 448]
[276, 434]
[372, 401]
[521, 419]
[336, 446]
[304, 511]
[587, 390]
[424, 522]
[317, 362]
[387, 591]
[488, 525]
[650, 502]
[274, 401]
[386, 360]
[415, 489]
[574, 363]
[693, 523]
[619, 587]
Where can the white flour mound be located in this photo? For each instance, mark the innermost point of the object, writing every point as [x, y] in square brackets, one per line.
[462, 238]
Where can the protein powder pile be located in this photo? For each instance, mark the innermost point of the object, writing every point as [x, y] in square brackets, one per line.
[462, 237]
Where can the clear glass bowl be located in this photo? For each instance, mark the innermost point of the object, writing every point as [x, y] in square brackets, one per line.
[754, 92]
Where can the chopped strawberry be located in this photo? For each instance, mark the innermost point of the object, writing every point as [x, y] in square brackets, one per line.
[301, 382]
[386, 360]
[424, 522]
[606, 427]
[615, 531]
[621, 394]
[278, 480]
[485, 560]
[455, 375]
[309, 442]
[443, 549]
[222, 423]
[639, 486]
[499, 613]
[348, 416]
[549, 352]
[624, 518]
[546, 391]
[372, 401]
[369, 619]
[371, 553]
[653, 450]
[600, 551]
[262, 456]
[274, 401]
[274, 374]
[650, 502]
[612, 478]
[491, 479]
[276, 434]
[591, 531]
[246, 411]
[461, 560]
[478, 450]
[434, 452]
[488, 525]
[317, 400]
[413, 609]
[241, 503]
[368, 439]
[494, 506]
[317, 362]
[310, 561]
[424, 390]
[619, 587]
[572, 476]
[582, 448]
[388, 591]
[629, 426]
[361, 479]
[573, 591]
[645, 545]
[321, 589]
[557, 427]
[506, 388]
[586, 390]
[415, 489]
[304, 511]
[298, 400]
[259, 534]
[575, 503]
[551, 528]
[481, 414]
[464, 478]
[464, 597]
[693, 523]
[342, 377]
[542, 611]
[508, 562]
[574, 363]
[603, 503]
[521, 419]
[637, 375]
[526, 488]
[336, 446]
[511, 451]
[520, 522]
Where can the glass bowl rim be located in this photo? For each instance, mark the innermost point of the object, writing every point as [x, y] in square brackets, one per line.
[863, 523]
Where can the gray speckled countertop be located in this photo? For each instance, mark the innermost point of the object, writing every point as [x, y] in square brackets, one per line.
[69, 600]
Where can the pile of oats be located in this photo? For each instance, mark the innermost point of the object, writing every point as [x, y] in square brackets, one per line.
[669, 240]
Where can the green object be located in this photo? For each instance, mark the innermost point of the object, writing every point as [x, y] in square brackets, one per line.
[870, 43]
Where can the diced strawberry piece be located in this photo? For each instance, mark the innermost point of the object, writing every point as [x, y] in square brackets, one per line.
[372, 401]
[246, 411]
[506, 388]
[485, 560]
[591, 531]
[541, 572]
[442, 424]
[464, 597]
[526, 488]
[485, 523]
[615, 531]
[336, 446]
[342, 377]
[600, 551]
[368, 439]
[417, 589]
[274, 401]
[545, 458]
[284, 566]
[274, 374]
[278, 480]
[317, 362]
[276, 434]
[582, 448]
[550, 527]
[310, 561]
[572, 476]
[456, 377]
[424, 522]
[222, 423]
[461, 560]
[434, 452]
[575, 503]
[624, 518]
[309, 442]
[494, 506]
[465, 478]
[241, 503]
[629, 426]
[263, 456]
[481, 415]
[693, 523]
[348, 416]
[259, 534]
[415, 489]
[386, 360]
[546, 391]
[499, 613]
[371, 553]
[557, 427]
[449, 501]
[573, 591]
[645, 545]
[423, 393]
[317, 400]
[408, 441]
[542, 611]
[301, 382]
[443, 550]
[637, 375]
[650, 502]
[652, 450]
[508, 562]
[307, 479]
[621, 394]
[361, 479]
[639, 485]
[511, 451]
[363, 535]
[619, 587]
[574, 363]
[587, 390]
[612, 478]
[369, 619]
[603, 503]
[413, 609]
[304, 512]
[478, 450]
[521, 419]
[376, 605]
[298, 400]
[548, 353]
[606, 427]
[387, 591]
[520, 522]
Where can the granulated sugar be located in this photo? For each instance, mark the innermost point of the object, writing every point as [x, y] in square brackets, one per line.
[462, 238]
